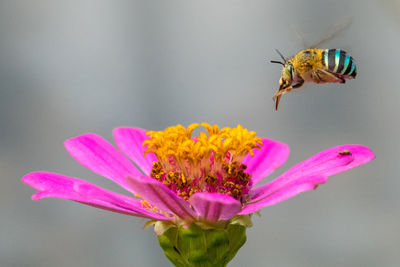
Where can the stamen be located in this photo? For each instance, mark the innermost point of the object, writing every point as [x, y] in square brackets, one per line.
[146, 205]
[206, 163]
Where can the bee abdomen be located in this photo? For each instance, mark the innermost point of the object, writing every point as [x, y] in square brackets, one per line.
[339, 61]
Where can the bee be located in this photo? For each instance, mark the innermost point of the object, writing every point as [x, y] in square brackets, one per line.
[314, 65]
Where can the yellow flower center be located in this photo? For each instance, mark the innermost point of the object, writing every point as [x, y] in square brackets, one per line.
[206, 163]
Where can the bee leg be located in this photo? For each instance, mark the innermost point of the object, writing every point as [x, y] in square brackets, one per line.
[323, 76]
[340, 79]
[281, 92]
[318, 77]
[298, 85]
[278, 95]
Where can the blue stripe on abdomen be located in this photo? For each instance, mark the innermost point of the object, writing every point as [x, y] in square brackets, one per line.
[346, 63]
[326, 58]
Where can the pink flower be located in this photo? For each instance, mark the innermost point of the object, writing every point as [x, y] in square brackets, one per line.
[185, 179]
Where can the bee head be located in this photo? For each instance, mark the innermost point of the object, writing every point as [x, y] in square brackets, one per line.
[287, 75]
[287, 71]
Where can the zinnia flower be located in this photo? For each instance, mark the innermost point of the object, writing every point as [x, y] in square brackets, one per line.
[192, 188]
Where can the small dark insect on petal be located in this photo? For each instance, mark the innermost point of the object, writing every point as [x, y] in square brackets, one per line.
[345, 152]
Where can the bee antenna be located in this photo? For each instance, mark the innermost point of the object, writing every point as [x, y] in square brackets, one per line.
[274, 61]
[279, 53]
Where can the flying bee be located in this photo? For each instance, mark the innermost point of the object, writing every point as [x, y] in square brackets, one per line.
[314, 65]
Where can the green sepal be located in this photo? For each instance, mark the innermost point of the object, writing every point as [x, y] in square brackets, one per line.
[244, 220]
[199, 247]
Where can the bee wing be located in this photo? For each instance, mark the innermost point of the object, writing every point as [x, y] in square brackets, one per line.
[324, 76]
[338, 28]
[300, 35]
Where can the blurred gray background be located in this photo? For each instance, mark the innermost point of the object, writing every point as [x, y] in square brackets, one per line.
[71, 67]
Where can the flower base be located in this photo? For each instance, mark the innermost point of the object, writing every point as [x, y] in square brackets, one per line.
[195, 246]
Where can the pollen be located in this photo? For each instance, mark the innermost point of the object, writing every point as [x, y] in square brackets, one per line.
[209, 162]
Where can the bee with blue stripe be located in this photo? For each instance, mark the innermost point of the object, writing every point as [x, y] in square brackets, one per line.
[314, 65]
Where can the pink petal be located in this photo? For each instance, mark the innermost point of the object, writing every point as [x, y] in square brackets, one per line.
[271, 156]
[98, 155]
[130, 140]
[215, 206]
[160, 196]
[323, 164]
[291, 189]
[60, 186]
